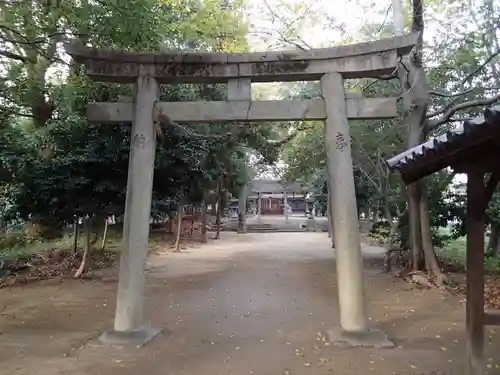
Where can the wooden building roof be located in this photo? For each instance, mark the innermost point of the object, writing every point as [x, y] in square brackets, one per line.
[472, 140]
[273, 186]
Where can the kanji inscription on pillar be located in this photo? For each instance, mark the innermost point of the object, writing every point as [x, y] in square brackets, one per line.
[139, 141]
[340, 142]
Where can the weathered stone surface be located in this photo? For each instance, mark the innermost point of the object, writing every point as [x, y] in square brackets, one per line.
[240, 110]
[239, 89]
[374, 338]
[134, 338]
[371, 65]
[349, 261]
[353, 61]
[402, 44]
[130, 293]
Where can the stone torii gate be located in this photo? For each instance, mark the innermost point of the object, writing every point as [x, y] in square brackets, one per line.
[328, 65]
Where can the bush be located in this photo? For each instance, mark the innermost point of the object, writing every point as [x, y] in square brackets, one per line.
[12, 240]
[380, 231]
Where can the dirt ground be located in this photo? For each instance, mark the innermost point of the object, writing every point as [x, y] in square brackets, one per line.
[247, 304]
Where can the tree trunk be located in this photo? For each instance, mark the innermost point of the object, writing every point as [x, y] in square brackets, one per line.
[493, 248]
[420, 101]
[75, 237]
[219, 209]
[431, 260]
[105, 234]
[3, 223]
[371, 216]
[84, 265]
[496, 249]
[204, 210]
[415, 240]
[390, 239]
[416, 99]
[192, 221]
[415, 227]
[179, 228]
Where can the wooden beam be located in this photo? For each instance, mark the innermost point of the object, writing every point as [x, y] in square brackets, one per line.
[475, 274]
[484, 159]
[257, 111]
[492, 318]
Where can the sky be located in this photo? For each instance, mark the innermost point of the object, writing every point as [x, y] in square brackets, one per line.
[352, 13]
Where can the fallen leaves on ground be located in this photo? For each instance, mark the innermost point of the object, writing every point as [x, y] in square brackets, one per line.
[165, 241]
[50, 264]
[491, 291]
[491, 280]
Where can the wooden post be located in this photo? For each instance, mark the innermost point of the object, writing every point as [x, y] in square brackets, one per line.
[349, 260]
[475, 274]
[129, 304]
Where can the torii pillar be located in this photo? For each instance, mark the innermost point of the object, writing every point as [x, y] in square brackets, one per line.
[240, 90]
[354, 329]
[128, 325]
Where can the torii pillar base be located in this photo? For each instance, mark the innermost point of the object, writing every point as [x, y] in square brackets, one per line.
[372, 337]
[135, 338]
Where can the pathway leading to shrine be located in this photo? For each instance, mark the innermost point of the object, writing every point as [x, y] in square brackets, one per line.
[247, 304]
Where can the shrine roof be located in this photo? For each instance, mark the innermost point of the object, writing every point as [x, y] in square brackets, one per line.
[471, 140]
[273, 186]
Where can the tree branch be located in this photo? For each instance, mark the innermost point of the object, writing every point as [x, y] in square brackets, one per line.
[288, 138]
[480, 67]
[448, 113]
[163, 118]
[370, 178]
[11, 112]
[450, 95]
[304, 46]
[13, 56]
[30, 42]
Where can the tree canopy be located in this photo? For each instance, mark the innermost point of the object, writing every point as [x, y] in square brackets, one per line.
[55, 165]
[458, 62]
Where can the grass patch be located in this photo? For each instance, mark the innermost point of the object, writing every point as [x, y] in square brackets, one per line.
[456, 252]
[17, 245]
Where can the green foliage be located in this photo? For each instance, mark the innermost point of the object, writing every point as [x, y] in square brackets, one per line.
[55, 165]
[380, 231]
[462, 57]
